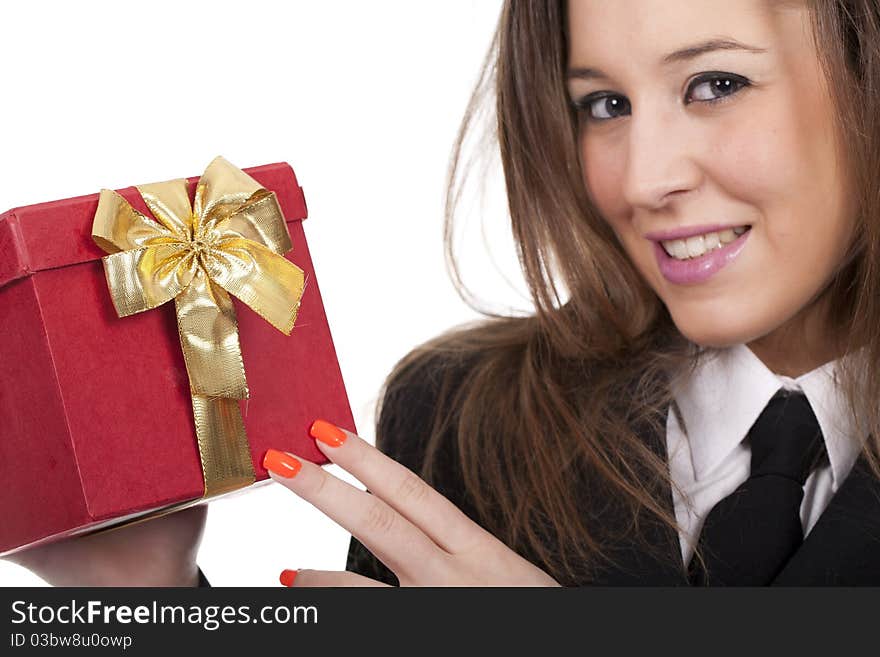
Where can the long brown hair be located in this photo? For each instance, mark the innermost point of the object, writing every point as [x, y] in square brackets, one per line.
[569, 385]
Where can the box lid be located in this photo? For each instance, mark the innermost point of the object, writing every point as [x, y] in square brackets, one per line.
[59, 233]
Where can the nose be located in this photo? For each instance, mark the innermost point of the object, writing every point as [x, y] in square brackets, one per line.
[661, 159]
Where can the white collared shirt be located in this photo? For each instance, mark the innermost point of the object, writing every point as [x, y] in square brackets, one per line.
[708, 459]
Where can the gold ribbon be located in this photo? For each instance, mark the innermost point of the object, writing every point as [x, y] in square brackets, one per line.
[231, 240]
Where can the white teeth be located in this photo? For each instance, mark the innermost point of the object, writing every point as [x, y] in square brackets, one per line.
[677, 249]
[697, 245]
[712, 241]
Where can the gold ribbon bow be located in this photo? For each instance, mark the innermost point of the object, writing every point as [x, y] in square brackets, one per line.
[231, 240]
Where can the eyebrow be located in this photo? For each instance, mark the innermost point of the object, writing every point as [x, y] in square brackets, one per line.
[681, 55]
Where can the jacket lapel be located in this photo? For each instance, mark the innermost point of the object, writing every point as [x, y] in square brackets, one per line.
[843, 548]
[633, 565]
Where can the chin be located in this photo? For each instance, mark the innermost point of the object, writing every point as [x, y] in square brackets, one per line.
[717, 335]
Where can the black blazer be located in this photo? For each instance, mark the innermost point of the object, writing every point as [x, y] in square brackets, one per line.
[842, 549]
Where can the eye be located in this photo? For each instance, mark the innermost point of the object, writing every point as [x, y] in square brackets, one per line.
[602, 107]
[715, 86]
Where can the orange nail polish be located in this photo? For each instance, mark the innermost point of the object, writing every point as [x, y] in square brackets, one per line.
[281, 463]
[287, 577]
[328, 433]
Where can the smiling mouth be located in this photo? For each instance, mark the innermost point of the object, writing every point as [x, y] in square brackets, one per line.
[699, 245]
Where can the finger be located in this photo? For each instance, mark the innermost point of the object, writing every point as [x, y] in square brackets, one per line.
[393, 482]
[332, 578]
[393, 539]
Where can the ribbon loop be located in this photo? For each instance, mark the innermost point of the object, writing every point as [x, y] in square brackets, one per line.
[260, 278]
[169, 203]
[259, 219]
[222, 189]
[144, 278]
[119, 227]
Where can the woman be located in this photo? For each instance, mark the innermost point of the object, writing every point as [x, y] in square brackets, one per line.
[699, 180]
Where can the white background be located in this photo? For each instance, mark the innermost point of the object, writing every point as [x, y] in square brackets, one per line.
[363, 99]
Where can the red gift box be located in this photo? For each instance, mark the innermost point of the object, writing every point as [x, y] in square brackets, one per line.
[96, 416]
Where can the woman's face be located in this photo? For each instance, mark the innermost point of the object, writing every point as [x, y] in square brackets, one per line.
[701, 119]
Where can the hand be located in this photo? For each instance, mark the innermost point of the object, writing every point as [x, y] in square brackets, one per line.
[157, 552]
[410, 527]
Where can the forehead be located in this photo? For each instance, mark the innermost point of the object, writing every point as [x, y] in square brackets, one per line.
[643, 31]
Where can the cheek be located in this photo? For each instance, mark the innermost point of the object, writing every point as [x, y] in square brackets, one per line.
[748, 161]
[759, 161]
[782, 169]
[604, 168]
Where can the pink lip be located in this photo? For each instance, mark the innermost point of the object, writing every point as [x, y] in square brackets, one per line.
[687, 231]
[700, 269]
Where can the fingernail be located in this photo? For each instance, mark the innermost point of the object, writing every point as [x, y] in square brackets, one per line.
[327, 433]
[281, 463]
[287, 577]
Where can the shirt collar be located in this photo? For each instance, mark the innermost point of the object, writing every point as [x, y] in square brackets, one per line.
[729, 390]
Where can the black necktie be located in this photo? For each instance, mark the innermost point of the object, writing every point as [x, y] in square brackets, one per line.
[749, 535]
